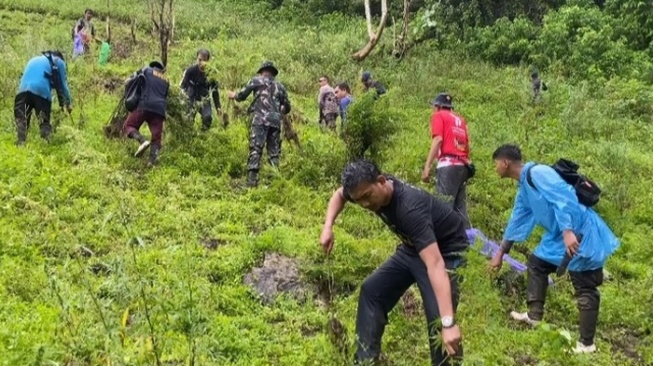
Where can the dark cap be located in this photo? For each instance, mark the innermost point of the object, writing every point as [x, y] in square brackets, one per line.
[443, 100]
[268, 65]
[366, 76]
[157, 64]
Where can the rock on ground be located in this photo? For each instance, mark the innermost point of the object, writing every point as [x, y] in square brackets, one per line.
[278, 274]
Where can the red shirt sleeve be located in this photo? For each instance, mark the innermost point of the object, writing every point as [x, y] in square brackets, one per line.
[437, 125]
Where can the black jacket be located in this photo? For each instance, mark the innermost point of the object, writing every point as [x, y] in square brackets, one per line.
[154, 94]
[196, 86]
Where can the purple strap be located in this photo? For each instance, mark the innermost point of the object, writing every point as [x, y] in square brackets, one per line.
[490, 248]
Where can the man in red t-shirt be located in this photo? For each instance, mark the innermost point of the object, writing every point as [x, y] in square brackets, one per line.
[450, 145]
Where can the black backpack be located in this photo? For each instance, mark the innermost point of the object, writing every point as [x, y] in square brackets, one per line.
[55, 78]
[587, 191]
[133, 90]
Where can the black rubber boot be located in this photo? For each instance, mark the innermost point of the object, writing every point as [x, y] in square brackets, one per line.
[21, 129]
[252, 178]
[154, 156]
[136, 136]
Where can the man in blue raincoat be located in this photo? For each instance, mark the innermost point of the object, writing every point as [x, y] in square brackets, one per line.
[571, 228]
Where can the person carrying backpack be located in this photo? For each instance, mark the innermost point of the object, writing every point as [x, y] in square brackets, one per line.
[576, 237]
[270, 102]
[42, 74]
[327, 103]
[150, 108]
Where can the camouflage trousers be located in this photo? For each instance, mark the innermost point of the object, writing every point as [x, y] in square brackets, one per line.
[263, 135]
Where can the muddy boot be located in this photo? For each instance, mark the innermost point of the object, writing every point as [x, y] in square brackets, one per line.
[154, 156]
[21, 131]
[252, 178]
[46, 132]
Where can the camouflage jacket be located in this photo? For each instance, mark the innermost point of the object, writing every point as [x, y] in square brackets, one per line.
[269, 98]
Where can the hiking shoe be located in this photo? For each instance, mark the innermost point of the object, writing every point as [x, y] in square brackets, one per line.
[141, 149]
[581, 348]
[523, 317]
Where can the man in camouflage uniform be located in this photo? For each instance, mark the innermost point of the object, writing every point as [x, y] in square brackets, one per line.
[270, 101]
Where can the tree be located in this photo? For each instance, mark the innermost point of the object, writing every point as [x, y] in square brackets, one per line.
[374, 37]
[401, 43]
[163, 21]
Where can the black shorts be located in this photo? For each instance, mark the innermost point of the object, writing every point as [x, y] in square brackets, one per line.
[27, 102]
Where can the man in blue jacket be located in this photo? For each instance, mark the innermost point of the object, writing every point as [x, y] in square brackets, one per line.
[571, 228]
[42, 74]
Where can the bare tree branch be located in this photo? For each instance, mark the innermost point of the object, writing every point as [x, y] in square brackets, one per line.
[374, 38]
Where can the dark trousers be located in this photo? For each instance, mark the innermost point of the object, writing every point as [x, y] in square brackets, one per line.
[451, 182]
[587, 295]
[381, 291]
[263, 135]
[204, 108]
[24, 104]
[154, 122]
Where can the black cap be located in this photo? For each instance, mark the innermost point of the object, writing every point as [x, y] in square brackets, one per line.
[268, 65]
[157, 64]
[443, 100]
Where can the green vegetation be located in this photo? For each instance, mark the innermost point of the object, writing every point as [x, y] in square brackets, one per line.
[98, 253]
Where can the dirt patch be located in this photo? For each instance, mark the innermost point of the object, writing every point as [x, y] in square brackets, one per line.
[626, 341]
[100, 269]
[411, 304]
[338, 335]
[113, 83]
[213, 243]
[525, 360]
[328, 288]
[122, 49]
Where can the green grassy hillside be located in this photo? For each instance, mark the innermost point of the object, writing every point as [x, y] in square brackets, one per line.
[98, 253]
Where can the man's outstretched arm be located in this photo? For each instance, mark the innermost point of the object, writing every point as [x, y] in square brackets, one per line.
[336, 205]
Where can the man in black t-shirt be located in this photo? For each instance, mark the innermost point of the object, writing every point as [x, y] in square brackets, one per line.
[196, 85]
[433, 241]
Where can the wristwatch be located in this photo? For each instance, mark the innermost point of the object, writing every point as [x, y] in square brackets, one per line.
[447, 322]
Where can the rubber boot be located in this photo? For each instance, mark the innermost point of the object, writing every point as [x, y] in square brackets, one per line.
[21, 129]
[252, 178]
[136, 136]
[154, 156]
[46, 132]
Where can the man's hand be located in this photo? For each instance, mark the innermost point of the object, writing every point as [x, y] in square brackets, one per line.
[426, 174]
[218, 111]
[326, 239]
[497, 260]
[231, 95]
[451, 338]
[69, 108]
[571, 242]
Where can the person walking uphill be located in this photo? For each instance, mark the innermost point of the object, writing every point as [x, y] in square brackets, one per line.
[151, 109]
[42, 74]
[572, 229]
[270, 102]
[196, 86]
[327, 104]
[369, 83]
[433, 241]
[450, 145]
